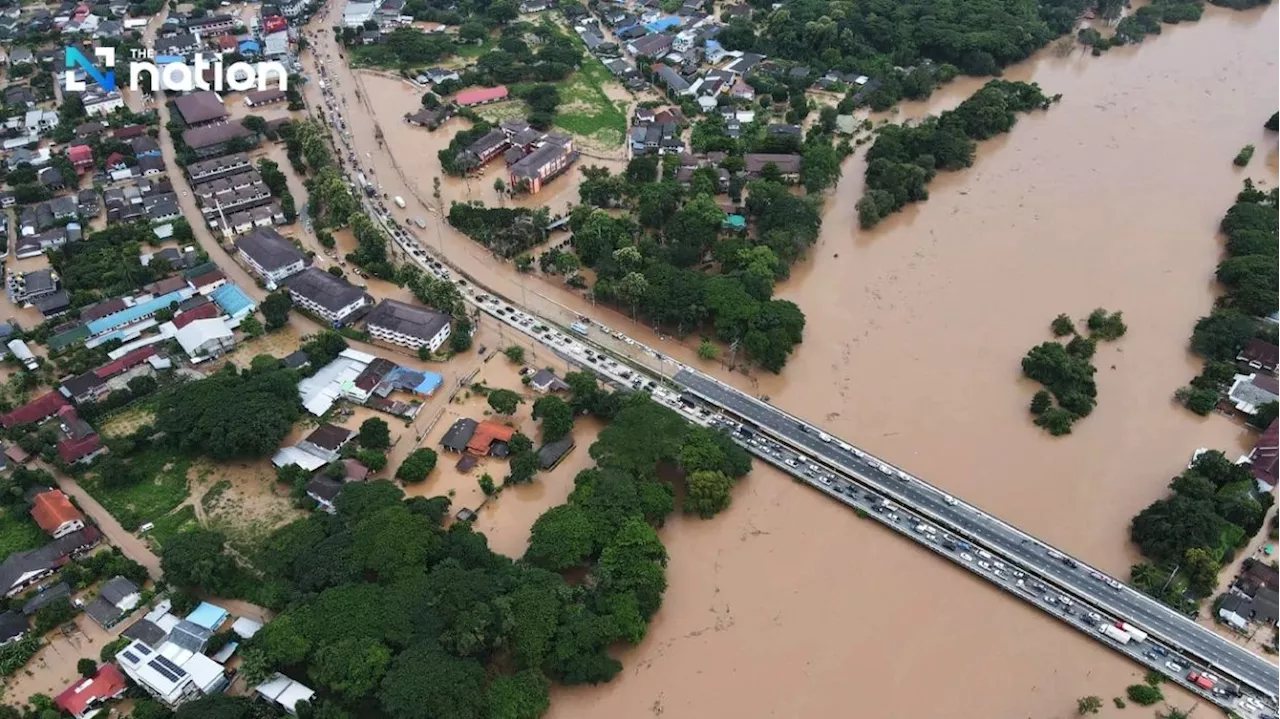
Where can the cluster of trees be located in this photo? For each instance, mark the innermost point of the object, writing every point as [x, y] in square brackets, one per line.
[452, 160]
[371, 248]
[198, 559]
[232, 413]
[1146, 20]
[874, 37]
[307, 145]
[1066, 370]
[417, 465]
[106, 263]
[474, 19]
[279, 187]
[542, 99]
[515, 59]
[404, 47]
[1248, 273]
[505, 231]
[385, 612]
[656, 275]
[904, 158]
[1213, 510]
[555, 418]
[329, 200]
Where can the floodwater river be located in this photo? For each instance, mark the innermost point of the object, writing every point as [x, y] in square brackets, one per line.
[788, 605]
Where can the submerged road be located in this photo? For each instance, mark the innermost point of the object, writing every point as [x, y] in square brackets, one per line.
[999, 537]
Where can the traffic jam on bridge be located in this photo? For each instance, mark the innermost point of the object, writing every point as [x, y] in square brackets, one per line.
[1192, 655]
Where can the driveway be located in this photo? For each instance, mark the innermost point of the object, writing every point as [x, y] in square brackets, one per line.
[132, 547]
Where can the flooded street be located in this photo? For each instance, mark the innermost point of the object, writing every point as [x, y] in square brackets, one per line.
[790, 606]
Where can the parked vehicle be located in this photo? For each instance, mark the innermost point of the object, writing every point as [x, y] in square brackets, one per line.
[399, 201]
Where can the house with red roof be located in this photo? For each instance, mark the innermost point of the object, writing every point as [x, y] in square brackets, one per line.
[208, 282]
[81, 451]
[81, 157]
[37, 410]
[1265, 457]
[128, 132]
[204, 312]
[82, 698]
[81, 444]
[55, 514]
[480, 96]
[115, 161]
[125, 362]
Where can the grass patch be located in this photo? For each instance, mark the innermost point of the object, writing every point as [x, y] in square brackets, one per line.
[170, 525]
[18, 532]
[587, 111]
[500, 111]
[163, 487]
[473, 50]
[127, 420]
[376, 56]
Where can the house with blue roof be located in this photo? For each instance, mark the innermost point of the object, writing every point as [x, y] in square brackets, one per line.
[233, 301]
[131, 321]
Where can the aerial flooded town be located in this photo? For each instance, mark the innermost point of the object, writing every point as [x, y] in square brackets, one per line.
[506, 359]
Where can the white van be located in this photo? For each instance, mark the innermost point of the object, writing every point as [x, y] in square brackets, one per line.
[146, 528]
[824, 437]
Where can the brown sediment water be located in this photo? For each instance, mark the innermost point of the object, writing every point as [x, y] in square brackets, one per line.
[788, 605]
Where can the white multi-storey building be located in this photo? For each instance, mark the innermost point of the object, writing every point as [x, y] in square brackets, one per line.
[333, 299]
[270, 255]
[408, 325]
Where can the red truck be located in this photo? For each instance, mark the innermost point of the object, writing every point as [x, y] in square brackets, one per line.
[1200, 680]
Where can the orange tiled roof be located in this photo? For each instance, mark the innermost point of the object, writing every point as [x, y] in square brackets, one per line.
[488, 432]
[52, 509]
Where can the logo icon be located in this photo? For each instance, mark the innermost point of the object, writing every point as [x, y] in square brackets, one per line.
[75, 58]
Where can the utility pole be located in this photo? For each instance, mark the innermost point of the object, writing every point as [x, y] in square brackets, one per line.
[733, 354]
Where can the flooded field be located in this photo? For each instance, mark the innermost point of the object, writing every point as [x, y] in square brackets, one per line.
[788, 605]
[505, 518]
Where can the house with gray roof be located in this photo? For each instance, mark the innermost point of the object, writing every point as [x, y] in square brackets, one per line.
[455, 440]
[116, 598]
[1250, 392]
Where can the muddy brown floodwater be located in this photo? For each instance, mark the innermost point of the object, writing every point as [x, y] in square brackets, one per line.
[788, 605]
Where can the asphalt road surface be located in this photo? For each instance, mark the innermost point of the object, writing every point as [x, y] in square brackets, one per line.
[1000, 537]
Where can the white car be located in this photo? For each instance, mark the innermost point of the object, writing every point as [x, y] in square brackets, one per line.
[966, 556]
[951, 501]
[884, 468]
[984, 564]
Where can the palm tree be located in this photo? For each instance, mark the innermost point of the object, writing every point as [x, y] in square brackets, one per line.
[1145, 575]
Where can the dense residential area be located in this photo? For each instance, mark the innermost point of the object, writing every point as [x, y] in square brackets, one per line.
[210, 354]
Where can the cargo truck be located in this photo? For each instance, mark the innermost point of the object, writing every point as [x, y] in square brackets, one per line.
[1200, 680]
[1137, 634]
[1114, 633]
